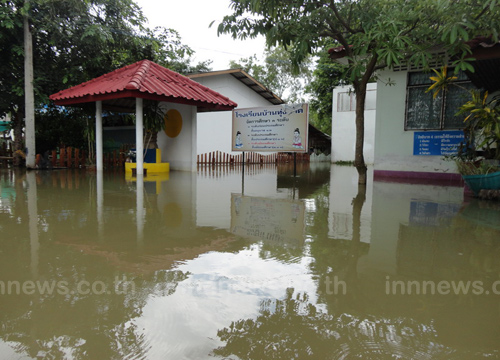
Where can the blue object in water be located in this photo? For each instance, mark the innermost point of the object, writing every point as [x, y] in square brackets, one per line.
[483, 181]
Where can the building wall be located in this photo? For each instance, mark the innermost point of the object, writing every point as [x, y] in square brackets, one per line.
[394, 145]
[340, 211]
[344, 125]
[214, 128]
[180, 151]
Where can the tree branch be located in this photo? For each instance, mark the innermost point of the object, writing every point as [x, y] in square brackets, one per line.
[333, 6]
[370, 68]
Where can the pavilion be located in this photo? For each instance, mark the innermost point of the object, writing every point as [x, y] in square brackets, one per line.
[125, 89]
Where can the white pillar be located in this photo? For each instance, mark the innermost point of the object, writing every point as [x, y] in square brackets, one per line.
[100, 204]
[194, 137]
[29, 96]
[140, 213]
[33, 222]
[139, 135]
[98, 136]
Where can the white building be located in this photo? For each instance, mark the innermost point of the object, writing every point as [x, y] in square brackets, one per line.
[214, 128]
[344, 124]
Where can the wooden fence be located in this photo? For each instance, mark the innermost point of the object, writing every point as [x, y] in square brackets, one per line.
[66, 157]
[72, 158]
[222, 158]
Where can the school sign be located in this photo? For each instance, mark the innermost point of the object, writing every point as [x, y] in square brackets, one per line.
[278, 128]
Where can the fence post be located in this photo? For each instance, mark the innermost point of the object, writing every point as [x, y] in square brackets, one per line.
[69, 153]
[62, 156]
[77, 158]
[54, 158]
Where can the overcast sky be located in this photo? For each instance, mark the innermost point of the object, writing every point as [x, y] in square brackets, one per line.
[191, 18]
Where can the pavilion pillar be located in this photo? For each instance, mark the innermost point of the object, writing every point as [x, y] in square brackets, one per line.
[98, 136]
[139, 135]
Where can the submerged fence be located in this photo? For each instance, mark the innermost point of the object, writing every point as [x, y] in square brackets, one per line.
[222, 158]
[73, 158]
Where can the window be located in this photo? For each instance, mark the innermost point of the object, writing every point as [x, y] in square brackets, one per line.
[425, 112]
[346, 101]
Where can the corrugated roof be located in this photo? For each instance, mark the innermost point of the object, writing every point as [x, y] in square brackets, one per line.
[246, 79]
[143, 79]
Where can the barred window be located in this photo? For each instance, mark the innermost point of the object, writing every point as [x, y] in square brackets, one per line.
[423, 112]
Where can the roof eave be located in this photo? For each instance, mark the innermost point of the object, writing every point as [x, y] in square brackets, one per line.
[131, 94]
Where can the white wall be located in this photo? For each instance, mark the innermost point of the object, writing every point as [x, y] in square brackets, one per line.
[213, 198]
[214, 128]
[396, 200]
[340, 218]
[180, 151]
[394, 149]
[344, 127]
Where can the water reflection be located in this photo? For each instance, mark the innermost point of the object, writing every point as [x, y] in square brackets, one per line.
[197, 266]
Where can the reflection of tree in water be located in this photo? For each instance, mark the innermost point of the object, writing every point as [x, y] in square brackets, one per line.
[293, 328]
[60, 326]
[66, 323]
[362, 323]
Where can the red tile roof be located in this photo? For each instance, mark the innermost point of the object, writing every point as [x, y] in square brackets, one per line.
[144, 79]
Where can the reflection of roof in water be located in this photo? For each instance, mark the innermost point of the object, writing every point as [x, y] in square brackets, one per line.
[147, 263]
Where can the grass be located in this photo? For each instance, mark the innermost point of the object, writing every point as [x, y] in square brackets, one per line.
[344, 163]
[475, 167]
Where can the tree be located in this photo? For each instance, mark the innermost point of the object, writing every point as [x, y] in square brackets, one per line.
[75, 41]
[372, 35]
[325, 77]
[278, 73]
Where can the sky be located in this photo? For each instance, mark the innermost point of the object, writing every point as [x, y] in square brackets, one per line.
[191, 18]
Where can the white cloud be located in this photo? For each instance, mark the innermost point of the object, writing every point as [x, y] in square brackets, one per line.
[191, 18]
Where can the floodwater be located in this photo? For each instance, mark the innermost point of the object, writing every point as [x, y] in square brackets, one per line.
[262, 265]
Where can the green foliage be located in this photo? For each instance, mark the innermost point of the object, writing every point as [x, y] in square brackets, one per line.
[278, 73]
[326, 77]
[483, 122]
[75, 41]
[57, 126]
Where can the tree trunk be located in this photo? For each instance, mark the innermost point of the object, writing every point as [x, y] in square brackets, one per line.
[17, 126]
[153, 139]
[359, 159]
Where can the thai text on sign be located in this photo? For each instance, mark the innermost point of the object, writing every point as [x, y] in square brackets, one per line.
[273, 128]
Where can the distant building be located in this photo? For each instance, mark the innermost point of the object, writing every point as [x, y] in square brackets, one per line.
[214, 128]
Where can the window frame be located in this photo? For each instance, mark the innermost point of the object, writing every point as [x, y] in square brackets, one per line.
[442, 99]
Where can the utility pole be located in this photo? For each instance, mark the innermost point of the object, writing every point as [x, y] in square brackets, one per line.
[29, 96]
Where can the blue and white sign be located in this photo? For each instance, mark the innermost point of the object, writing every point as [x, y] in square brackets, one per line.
[437, 142]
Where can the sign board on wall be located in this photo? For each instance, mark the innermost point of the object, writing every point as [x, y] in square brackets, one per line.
[273, 128]
[437, 142]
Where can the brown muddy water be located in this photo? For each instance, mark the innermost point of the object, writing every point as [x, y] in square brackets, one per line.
[216, 265]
